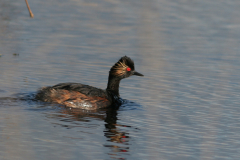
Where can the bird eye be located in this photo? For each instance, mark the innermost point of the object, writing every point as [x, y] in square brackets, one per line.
[128, 69]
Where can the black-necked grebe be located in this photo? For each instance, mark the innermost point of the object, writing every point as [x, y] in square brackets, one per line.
[77, 95]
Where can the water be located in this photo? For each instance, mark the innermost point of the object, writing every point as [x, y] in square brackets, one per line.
[185, 108]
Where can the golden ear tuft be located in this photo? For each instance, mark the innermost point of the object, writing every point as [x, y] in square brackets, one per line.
[120, 68]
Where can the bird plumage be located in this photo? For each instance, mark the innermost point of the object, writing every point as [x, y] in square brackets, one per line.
[77, 95]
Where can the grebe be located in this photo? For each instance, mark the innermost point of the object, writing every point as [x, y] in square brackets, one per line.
[77, 95]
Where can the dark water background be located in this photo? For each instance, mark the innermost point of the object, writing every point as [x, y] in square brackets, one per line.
[185, 108]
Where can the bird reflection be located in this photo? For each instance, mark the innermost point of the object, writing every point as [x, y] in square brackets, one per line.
[114, 134]
[117, 139]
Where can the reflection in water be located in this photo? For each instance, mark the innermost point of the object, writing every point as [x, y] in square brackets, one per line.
[117, 140]
[114, 134]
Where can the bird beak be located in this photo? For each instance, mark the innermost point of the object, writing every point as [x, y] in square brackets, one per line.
[137, 74]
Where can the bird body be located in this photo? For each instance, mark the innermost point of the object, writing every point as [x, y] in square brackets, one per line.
[77, 95]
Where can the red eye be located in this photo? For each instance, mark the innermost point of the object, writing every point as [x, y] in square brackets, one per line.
[128, 69]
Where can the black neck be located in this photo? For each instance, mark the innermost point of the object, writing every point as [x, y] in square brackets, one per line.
[113, 84]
